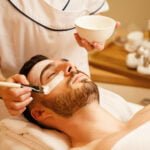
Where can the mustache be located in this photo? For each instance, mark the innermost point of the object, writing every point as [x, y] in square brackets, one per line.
[75, 73]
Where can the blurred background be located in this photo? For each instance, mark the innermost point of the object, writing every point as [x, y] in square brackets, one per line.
[130, 11]
[133, 15]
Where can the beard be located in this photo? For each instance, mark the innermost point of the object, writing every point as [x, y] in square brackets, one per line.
[67, 103]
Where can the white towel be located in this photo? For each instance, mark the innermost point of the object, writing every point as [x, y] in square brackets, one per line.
[138, 139]
[32, 136]
[115, 105]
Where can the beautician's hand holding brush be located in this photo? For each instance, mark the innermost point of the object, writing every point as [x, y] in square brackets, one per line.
[37, 89]
[21, 91]
[16, 99]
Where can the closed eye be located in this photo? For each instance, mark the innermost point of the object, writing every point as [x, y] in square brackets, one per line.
[52, 75]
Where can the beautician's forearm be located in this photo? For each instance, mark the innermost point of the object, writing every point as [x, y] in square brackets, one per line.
[2, 78]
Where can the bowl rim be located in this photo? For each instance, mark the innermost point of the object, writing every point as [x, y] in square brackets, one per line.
[94, 29]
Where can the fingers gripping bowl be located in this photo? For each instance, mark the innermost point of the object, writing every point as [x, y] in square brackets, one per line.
[95, 28]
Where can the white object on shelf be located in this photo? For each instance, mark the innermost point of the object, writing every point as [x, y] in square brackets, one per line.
[132, 61]
[134, 40]
[144, 70]
[146, 44]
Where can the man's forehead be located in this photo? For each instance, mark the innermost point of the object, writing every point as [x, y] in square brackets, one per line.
[35, 72]
[34, 75]
[42, 64]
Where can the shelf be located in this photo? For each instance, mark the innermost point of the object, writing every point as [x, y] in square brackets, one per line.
[109, 66]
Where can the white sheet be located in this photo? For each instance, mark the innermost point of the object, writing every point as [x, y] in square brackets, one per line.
[22, 135]
[138, 139]
[115, 104]
[9, 140]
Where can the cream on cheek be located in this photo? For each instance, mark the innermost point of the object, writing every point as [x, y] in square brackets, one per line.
[53, 83]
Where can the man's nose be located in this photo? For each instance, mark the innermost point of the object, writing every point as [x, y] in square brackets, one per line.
[68, 68]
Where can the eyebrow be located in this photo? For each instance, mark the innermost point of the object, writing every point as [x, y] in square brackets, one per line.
[45, 68]
[64, 59]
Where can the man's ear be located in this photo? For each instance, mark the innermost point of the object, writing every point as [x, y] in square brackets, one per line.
[41, 114]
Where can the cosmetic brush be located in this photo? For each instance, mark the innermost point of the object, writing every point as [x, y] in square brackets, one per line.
[45, 89]
[36, 89]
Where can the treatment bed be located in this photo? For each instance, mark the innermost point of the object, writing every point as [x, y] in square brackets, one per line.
[16, 133]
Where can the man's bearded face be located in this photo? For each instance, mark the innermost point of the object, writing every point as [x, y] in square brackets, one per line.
[75, 91]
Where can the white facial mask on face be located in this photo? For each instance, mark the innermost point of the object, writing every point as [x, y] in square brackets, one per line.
[53, 83]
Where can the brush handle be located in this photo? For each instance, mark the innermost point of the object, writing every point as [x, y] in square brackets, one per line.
[10, 84]
[36, 89]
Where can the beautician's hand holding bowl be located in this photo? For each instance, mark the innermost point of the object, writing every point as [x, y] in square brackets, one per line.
[94, 30]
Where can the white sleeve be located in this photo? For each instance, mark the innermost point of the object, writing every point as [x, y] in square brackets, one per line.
[105, 7]
[97, 6]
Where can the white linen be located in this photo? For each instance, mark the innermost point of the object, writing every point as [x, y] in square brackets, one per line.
[16, 135]
[138, 139]
[11, 137]
[29, 136]
[134, 108]
[115, 104]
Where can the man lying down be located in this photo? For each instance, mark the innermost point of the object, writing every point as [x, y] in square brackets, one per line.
[70, 104]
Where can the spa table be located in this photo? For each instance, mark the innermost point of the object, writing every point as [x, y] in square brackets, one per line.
[108, 67]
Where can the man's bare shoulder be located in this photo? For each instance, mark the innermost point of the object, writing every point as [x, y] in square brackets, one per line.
[105, 144]
[139, 118]
[90, 146]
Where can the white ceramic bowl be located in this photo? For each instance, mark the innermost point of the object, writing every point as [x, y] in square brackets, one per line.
[95, 27]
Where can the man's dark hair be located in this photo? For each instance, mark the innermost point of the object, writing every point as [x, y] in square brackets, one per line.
[30, 63]
[25, 70]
